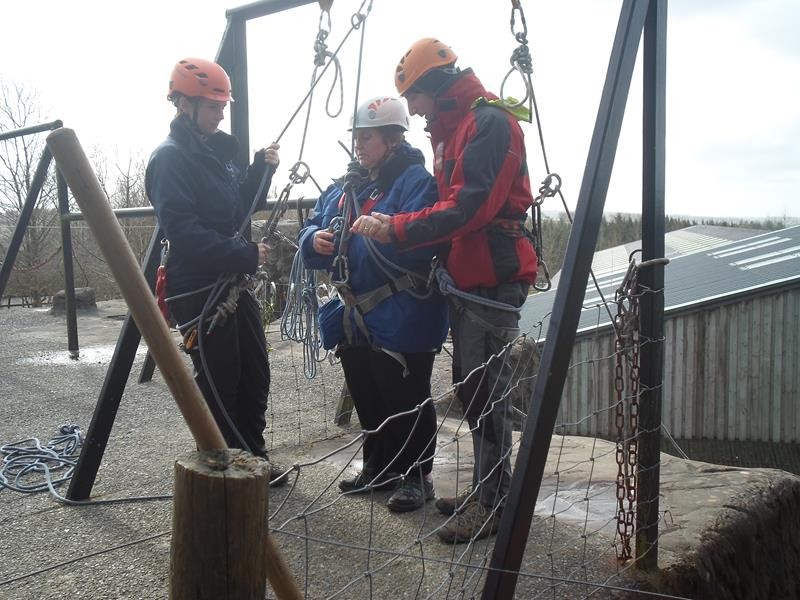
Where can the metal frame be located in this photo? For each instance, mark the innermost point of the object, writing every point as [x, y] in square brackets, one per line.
[651, 356]
[39, 177]
[515, 522]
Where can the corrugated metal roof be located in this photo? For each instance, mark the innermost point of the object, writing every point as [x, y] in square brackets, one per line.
[676, 243]
[712, 270]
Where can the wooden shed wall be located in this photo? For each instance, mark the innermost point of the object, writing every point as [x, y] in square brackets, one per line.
[731, 372]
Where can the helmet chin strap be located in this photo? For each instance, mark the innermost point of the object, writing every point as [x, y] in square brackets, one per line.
[195, 109]
[194, 101]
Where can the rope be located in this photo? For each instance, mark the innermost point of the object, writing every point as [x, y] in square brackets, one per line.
[356, 20]
[448, 286]
[520, 62]
[300, 318]
[28, 467]
[28, 457]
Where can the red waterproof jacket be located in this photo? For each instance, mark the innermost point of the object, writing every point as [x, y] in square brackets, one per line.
[484, 191]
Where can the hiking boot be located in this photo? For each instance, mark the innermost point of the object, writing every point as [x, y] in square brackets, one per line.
[278, 475]
[411, 495]
[474, 522]
[363, 482]
[449, 504]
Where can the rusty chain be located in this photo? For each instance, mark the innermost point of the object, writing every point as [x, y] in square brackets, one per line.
[626, 347]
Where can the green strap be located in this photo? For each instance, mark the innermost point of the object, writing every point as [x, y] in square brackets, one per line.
[510, 105]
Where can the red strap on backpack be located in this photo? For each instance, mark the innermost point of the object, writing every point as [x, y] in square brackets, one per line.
[161, 292]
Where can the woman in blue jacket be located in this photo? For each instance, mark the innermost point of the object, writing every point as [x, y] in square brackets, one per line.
[201, 200]
[386, 324]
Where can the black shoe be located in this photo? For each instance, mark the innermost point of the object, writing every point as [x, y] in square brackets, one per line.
[413, 494]
[363, 482]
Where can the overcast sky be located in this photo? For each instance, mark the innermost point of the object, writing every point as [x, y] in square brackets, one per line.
[733, 81]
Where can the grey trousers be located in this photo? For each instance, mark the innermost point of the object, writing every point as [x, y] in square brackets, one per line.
[479, 334]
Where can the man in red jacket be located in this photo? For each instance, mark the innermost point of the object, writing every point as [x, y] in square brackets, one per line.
[484, 195]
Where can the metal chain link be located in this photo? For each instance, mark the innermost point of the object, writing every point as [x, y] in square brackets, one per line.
[626, 347]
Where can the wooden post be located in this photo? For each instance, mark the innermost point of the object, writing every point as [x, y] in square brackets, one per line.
[78, 173]
[202, 506]
[219, 526]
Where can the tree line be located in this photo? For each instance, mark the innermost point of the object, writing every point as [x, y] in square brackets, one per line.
[38, 269]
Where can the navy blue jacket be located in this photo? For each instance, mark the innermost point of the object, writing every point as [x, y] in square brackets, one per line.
[200, 201]
[400, 323]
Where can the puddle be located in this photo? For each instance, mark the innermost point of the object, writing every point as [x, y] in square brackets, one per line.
[570, 505]
[93, 354]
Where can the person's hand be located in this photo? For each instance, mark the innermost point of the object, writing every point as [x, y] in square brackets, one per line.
[323, 242]
[271, 154]
[263, 253]
[376, 226]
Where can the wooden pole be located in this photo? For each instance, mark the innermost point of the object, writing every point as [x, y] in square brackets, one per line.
[278, 573]
[86, 189]
[218, 526]
[240, 532]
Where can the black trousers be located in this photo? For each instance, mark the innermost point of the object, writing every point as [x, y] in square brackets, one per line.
[236, 356]
[379, 391]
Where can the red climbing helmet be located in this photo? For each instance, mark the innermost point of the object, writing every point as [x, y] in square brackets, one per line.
[424, 55]
[196, 77]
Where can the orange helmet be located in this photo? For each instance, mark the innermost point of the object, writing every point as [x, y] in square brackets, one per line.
[424, 55]
[195, 77]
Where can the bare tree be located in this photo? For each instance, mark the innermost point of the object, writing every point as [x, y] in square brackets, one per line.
[34, 269]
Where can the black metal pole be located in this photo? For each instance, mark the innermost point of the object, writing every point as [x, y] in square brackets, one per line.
[515, 523]
[69, 273]
[80, 486]
[39, 178]
[7, 135]
[148, 368]
[232, 55]
[147, 211]
[120, 213]
[651, 280]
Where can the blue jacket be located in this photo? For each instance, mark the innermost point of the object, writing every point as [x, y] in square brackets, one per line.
[200, 201]
[401, 322]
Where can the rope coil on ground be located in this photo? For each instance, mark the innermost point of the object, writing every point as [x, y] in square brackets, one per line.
[25, 459]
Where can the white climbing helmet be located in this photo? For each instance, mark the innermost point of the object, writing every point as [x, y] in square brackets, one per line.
[381, 111]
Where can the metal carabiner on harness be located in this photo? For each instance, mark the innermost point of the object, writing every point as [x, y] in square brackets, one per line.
[546, 190]
[342, 267]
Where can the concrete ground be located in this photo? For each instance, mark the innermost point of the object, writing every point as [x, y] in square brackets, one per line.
[337, 546]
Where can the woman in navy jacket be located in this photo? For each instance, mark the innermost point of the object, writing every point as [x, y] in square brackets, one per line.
[386, 325]
[201, 200]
